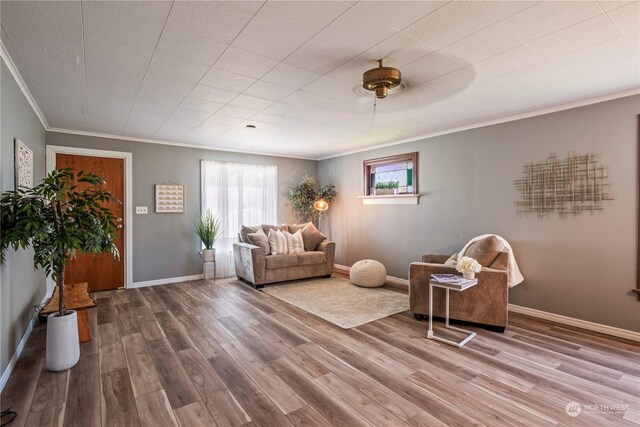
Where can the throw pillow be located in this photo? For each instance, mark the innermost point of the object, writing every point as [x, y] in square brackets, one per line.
[485, 251]
[452, 261]
[277, 242]
[245, 230]
[502, 262]
[267, 227]
[295, 242]
[260, 239]
[311, 237]
[295, 227]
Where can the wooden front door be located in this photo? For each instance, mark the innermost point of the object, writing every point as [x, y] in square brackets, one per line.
[101, 272]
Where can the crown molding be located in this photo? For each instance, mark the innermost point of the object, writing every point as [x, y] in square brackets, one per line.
[170, 143]
[16, 75]
[507, 119]
[13, 69]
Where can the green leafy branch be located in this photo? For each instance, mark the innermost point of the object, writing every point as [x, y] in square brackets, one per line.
[65, 214]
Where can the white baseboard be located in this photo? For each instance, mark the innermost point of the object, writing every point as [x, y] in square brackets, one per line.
[165, 281]
[23, 341]
[14, 359]
[558, 318]
[578, 323]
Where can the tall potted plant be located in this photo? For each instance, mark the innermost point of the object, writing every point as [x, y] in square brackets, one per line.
[304, 195]
[208, 230]
[65, 214]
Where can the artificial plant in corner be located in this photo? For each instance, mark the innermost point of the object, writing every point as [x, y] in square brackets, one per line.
[63, 215]
[208, 228]
[303, 196]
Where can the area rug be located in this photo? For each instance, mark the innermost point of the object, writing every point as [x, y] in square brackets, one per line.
[339, 301]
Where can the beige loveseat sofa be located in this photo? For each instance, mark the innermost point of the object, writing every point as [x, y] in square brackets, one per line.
[255, 266]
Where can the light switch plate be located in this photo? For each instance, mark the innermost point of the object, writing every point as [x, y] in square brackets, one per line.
[141, 210]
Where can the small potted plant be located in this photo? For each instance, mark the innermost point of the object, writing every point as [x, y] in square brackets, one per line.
[387, 188]
[208, 230]
[62, 216]
[468, 267]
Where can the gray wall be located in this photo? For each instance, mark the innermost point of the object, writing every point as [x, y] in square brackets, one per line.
[582, 267]
[21, 287]
[164, 245]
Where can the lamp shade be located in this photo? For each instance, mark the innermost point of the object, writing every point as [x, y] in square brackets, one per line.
[320, 205]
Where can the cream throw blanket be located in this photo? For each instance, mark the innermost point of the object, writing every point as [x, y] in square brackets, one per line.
[515, 277]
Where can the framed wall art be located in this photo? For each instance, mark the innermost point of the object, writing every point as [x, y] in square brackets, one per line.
[23, 165]
[169, 198]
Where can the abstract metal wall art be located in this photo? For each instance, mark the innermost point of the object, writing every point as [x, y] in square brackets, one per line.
[569, 186]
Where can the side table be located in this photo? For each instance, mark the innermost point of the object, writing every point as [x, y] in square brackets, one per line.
[447, 287]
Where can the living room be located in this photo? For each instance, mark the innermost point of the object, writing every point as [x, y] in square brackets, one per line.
[335, 156]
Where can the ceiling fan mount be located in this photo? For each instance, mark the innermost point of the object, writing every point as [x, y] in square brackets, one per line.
[381, 79]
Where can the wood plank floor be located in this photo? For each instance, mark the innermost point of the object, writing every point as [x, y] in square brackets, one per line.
[204, 354]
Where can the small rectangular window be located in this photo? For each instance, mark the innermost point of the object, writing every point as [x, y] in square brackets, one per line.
[391, 175]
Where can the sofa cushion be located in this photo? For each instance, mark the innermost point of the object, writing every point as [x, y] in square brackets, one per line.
[312, 237]
[259, 239]
[295, 227]
[485, 251]
[281, 261]
[245, 230]
[267, 227]
[311, 257]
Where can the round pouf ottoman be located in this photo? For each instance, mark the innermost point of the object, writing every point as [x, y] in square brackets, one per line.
[368, 273]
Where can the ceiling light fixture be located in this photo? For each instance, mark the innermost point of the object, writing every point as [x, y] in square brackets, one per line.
[381, 79]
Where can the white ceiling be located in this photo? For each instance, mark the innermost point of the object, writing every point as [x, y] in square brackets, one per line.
[198, 72]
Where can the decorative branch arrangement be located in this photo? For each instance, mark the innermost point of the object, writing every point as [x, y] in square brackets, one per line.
[302, 197]
[567, 186]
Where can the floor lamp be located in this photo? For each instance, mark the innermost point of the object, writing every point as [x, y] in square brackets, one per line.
[320, 206]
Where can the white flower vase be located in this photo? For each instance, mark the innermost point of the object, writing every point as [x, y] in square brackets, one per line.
[63, 344]
[209, 255]
[469, 274]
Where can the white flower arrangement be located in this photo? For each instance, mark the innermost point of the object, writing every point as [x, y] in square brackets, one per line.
[468, 265]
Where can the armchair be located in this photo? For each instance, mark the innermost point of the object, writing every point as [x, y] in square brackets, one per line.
[486, 303]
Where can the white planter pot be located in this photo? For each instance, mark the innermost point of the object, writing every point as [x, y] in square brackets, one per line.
[63, 344]
[209, 255]
[469, 275]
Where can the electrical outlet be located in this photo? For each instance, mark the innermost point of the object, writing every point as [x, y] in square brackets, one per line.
[141, 210]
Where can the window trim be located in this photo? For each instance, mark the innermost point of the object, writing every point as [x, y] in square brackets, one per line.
[406, 157]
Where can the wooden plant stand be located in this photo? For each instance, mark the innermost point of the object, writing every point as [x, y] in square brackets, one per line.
[76, 297]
